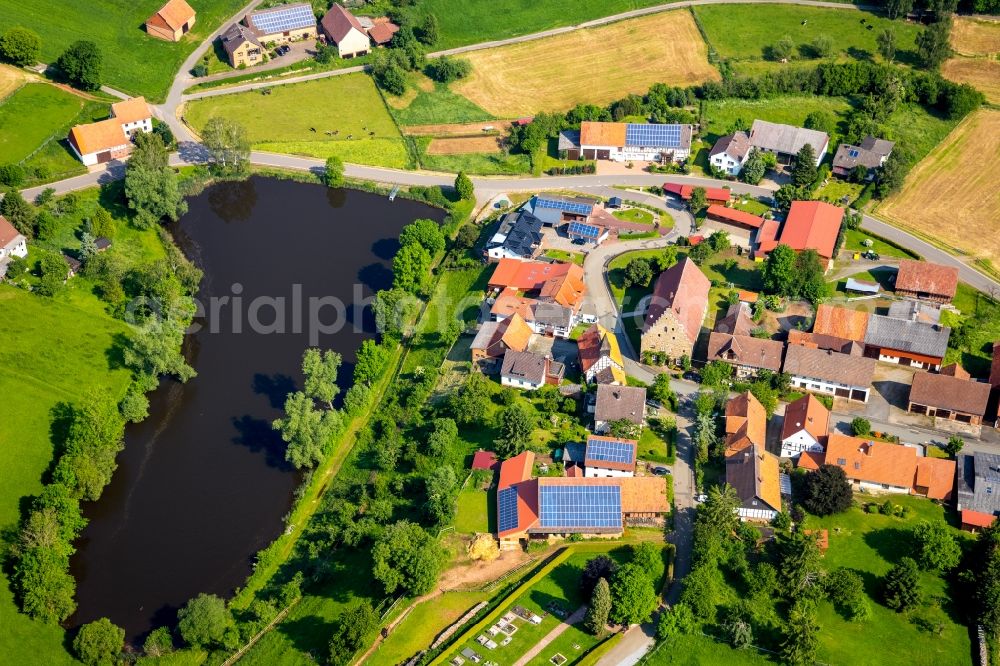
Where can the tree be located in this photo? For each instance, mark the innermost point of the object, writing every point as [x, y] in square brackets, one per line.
[13, 175]
[154, 350]
[936, 547]
[861, 427]
[393, 308]
[20, 46]
[802, 640]
[428, 31]
[99, 642]
[227, 144]
[783, 49]
[827, 491]
[53, 271]
[649, 558]
[423, 232]
[441, 485]
[753, 169]
[390, 78]
[638, 273]
[718, 511]
[320, 369]
[892, 174]
[467, 236]
[717, 374]
[351, 632]
[158, 643]
[464, 186]
[677, 620]
[447, 69]
[596, 619]
[804, 171]
[779, 269]
[442, 437]
[933, 46]
[411, 268]
[954, 445]
[371, 362]
[81, 65]
[624, 428]
[203, 620]
[822, 121]
[150, 185]
[333, 173]
[472, 399]
[901, 586]
[739, 631]
[886, 42]
[306, 430]
[516, 425]
[898, 8]
[822, 46]
[698, 201]
[846, 591]
[18, 212]
[633, 598]
[100, 223]
[135, 405]
[596, 568]
[662, 392]
[405, 557]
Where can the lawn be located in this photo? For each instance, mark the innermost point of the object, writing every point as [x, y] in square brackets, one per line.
[976, 355]
[838, 191]
[482, 163]
[134, 62]
[722, 115]
[853, 239]
[32, 115]
[636, 215]
[701, 650]
[473, 514]
[341, 116]
[429, 103]
[520, 79]
[562, 255]
[473, 21]
[955, 183]
[655, 447]
[746, 33]
[418, 630]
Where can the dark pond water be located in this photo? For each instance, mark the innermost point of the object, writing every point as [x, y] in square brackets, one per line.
[202, 484]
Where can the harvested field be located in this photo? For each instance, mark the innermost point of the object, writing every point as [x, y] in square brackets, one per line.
[982, 73]
[975, 37]
[556, 73]
[10, 79]
[457, 129]
[464, 144]
[952, 195]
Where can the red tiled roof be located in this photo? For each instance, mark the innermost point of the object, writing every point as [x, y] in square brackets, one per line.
[811, 460]
[746, 423]
[516, 469]
[767, 236]
[977, 518]
[812, 225]
[684, 191]
[7, 232]
[337, 22]
[562, 282]
[682, 288]
[382, 31]
[718, 212]
[952, 393]
[172, 15]
[935, 478]
[484, 460]
[995, 366]
[874, 462]
[925, 277]
[809, 414]
[841, 322]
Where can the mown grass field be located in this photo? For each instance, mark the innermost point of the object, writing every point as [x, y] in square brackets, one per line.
[429, 103]
[473, 21]
[422, 625]
[596, 66]
[952, 195]
[31, 115]
[744, 33]
[134, 62]
[296, 118]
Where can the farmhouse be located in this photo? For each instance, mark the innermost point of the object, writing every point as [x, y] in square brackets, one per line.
[600, 457]
[826, 342]
[746, 423]
[805, 427]
[106, 140]
[601, 359]
[172, 21]
[133, 115]
[819, 371]
[615, 403]
[732, 342]
[755, 475]
[870, 155]
[906, 341]
[543, 317]
[842, 323]
[519, 236]
[528, 370]
[880, 467]
[739, 224]
[676, 310]
[495, 338]
[785, 141]
[561, 506]
[730, 153]
[926, 281]
[560, 283]
[344, 30]
[978, 489]
[241, 46]
[810, 225]
[282, 24]
[954, 397]
[640, 142]
[12, 243]
[553, 209]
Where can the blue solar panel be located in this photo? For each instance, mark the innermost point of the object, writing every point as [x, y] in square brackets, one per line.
[853, 152]
[583, 506]
[507, 509]
[659, 136]
[581, 229]
[568, 206]
[619, 452]
[280, 19]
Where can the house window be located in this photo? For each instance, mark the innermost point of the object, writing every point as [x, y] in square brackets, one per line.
[842, 462]
[857, 465]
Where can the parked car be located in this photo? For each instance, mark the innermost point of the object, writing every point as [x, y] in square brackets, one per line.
[692, 376]
[660, 471]
[579, 241]
[282, 50]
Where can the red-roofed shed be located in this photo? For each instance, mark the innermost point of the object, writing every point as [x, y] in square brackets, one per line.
[733, 216]
[812, 225]
[714, 195]
[484, 460]
[973, 521]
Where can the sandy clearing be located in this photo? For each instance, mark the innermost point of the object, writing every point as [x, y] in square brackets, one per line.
[593, 66]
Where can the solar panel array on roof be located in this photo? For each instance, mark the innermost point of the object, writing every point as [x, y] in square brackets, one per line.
[619, 452]
[568, 206]
[281, 19]
[580, 506]
[853, 152]
[581, 229]
[507, 509]
[666, 136]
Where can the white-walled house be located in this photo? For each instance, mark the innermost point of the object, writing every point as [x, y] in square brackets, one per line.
[133, 115]
[730, 153]
[12, 244]
[528, 370]
[111, 139]
[640, 142]
[805, 428]
[346, 32]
